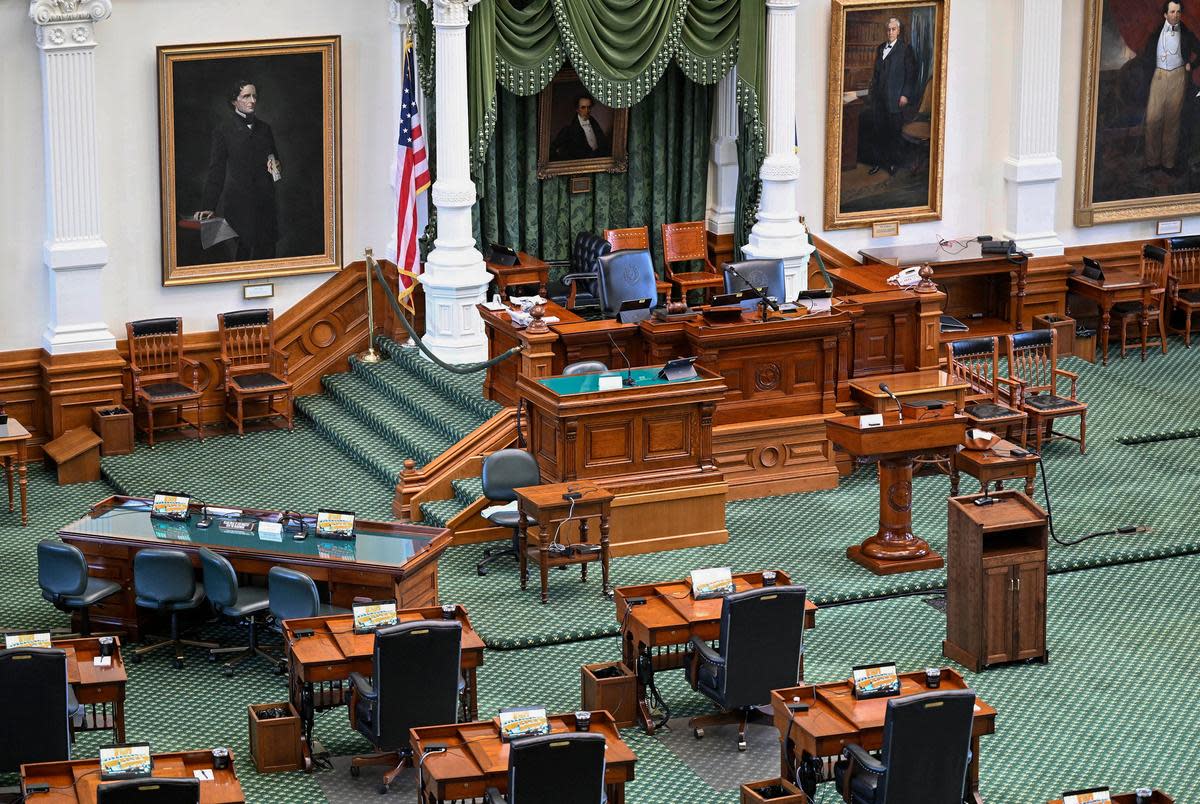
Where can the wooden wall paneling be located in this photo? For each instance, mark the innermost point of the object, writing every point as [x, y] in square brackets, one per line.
[781, 456]
[72, 384]
[720, 249]
[21, 392]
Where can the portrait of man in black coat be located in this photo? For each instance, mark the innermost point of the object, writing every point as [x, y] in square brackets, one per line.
[243, 168]
[582, 137]
[893, 87]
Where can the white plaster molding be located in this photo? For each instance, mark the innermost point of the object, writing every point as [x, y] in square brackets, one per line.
[451, 13]
[54, 12]
[723, 165]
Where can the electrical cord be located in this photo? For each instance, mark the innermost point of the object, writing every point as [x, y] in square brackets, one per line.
[1123, 530]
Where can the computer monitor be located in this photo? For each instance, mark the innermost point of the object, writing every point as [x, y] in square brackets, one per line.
[149, 791]
[875, 680]
[335, 524]
[523, 721]
[1092, 794]
[27, 639]
[170, 506]
[368, 617]
[707, 583]
[125, 761]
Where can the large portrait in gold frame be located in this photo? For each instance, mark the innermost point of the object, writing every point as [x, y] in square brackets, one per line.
[1139, 120]
[886, 119]
[250, 159]
[564, 147]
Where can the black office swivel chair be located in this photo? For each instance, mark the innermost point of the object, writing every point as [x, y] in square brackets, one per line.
[164, 580]
[762, 642]
[584, 367]
[414, 683]
[582, 283]
[63, 577]
[625, 276]
[761, 273]
[926, 750]
[291, 595]
[563, 768]
[235, 602]
[149, 791]
[36, 701]
[503, 471]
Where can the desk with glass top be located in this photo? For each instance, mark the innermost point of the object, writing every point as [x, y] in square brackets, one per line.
[383, 560]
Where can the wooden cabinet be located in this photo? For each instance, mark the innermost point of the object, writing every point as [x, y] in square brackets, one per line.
[996, 581]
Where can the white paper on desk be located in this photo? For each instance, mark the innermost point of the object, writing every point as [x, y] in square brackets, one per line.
[610, 382]
[526, 302]
[270, 531]
[203, 774]
[102, 661]
[817, 305]
[495, 509]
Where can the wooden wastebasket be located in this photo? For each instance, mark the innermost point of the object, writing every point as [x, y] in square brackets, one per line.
[275, 741]
[615, 693]
[775, 791]
[114, 423]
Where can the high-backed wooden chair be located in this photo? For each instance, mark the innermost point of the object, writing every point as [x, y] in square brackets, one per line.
[1033, 362]
[1129, 314]
[976, 361]
[1183, 282]
[685, 242]
[162, 377]
[636, 238]
[252, 368]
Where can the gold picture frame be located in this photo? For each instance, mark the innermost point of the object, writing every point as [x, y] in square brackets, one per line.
[556, 116]
[872, 177]
[1179, 195]
[227, 213]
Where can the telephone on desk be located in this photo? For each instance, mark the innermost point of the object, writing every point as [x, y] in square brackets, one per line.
[906, 278]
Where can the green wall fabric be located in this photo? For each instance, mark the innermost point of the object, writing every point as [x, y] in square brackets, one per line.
[666, 181]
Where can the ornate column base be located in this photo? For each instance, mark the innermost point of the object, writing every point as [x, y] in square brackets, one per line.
[75, 280]
[453, 328]
[794, 251]
[1031, 185]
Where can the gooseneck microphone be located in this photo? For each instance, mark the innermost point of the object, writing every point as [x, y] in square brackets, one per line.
[883, 386]
[628, 381]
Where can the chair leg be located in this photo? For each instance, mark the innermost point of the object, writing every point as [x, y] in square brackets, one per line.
[241, 420]
[150, 425]
[85, 622]
[1162, 328]
[399, 760]
[738, 716]
[1083, 433]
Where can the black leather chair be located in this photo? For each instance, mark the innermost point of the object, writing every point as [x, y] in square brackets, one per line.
[761, 273]
[235, 602]
[503, 471]
[414, 682]
[149, 791]
[63, 577]
[291, 595]
[584, 367]
[164, 580]
[926, 750]
[563, 768]
[582, 283]
[37, 703]
[624, 276]
[762, 643]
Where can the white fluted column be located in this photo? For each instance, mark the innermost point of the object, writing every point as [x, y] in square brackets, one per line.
[722, 159]
[454, 278]
[74, 251]
[1032, 171]
[778, 232]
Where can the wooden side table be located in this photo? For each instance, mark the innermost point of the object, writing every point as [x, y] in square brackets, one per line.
[529, 269]
[14, 442]
[994, 464]
[549, 508]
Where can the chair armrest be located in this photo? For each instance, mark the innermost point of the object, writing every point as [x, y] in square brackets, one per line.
[188, 363]
[493, 796]
[362, 686]
[1014, 389]
[279, 359]
[706, 653]
[568, 279]
[857, 757]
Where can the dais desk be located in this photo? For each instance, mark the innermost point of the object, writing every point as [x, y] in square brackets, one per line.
[75, 781]
[384, 560]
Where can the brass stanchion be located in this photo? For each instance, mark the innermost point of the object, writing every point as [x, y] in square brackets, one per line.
[370, 356]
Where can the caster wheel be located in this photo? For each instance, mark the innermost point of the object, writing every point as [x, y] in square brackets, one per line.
[383, 788]
[212, 657]
[177, 664]
[698, 733]
[741, 745]
[278, 670]
[136, 658]
[227, 672]
[480, 571]
[355, 771]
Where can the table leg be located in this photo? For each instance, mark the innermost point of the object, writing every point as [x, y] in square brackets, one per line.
[21, 457]
[544, 555]
[583, 538]
[604, 551]
[1105, 323]
[473, 697]
[8, 470]
[118, 708]
[973, 771]
[1029, 484]
[522, 544]
[616, 793]
[1145, 322]
[953, 476]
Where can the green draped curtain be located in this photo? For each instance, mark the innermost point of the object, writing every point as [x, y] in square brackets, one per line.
[666, 181]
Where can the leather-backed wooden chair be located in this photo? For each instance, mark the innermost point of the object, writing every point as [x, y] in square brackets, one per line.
[1033, 362]
[976, 361]
[685, 242]
[1128, 314]
[252, 368]
[162, 377]
[1183, 282]
[635, 238]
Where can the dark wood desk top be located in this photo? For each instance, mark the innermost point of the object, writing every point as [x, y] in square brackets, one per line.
[476, 757]
[525, 261]
[548, 497]
[334, 642]
[80, 668]
[13, 431]
[909, 383]
[998, 454]
[75, 781]
[669, 604]
[1118, 279]
[931, 253]
[1157, 797]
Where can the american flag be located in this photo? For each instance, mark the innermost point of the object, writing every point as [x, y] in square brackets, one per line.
[412, 179]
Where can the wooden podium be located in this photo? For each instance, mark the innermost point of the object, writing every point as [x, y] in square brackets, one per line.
[896, 443]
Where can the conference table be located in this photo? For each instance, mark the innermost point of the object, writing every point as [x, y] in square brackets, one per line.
[383, 560]
[75, 781]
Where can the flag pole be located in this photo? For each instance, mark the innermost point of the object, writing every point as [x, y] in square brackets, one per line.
[370, 356]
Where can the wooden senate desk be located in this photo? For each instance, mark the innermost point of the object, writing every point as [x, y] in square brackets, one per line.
[912, 386]
[670, 617]
[383, 560]
[813, 739]
[528, 270]
[1156, 797]
[650, 444]
[100, 690]
[75, 781]
[476, 758]
[548, 504]
[14, 440]
[1117, 286]
[319, 664]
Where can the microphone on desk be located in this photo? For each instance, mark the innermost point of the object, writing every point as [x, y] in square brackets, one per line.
[628, 381]
[761, 291]
[883, 386]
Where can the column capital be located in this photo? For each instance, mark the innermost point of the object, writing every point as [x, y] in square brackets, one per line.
[782, 5]
[67, 24]
[451, 13]
[402, 13]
